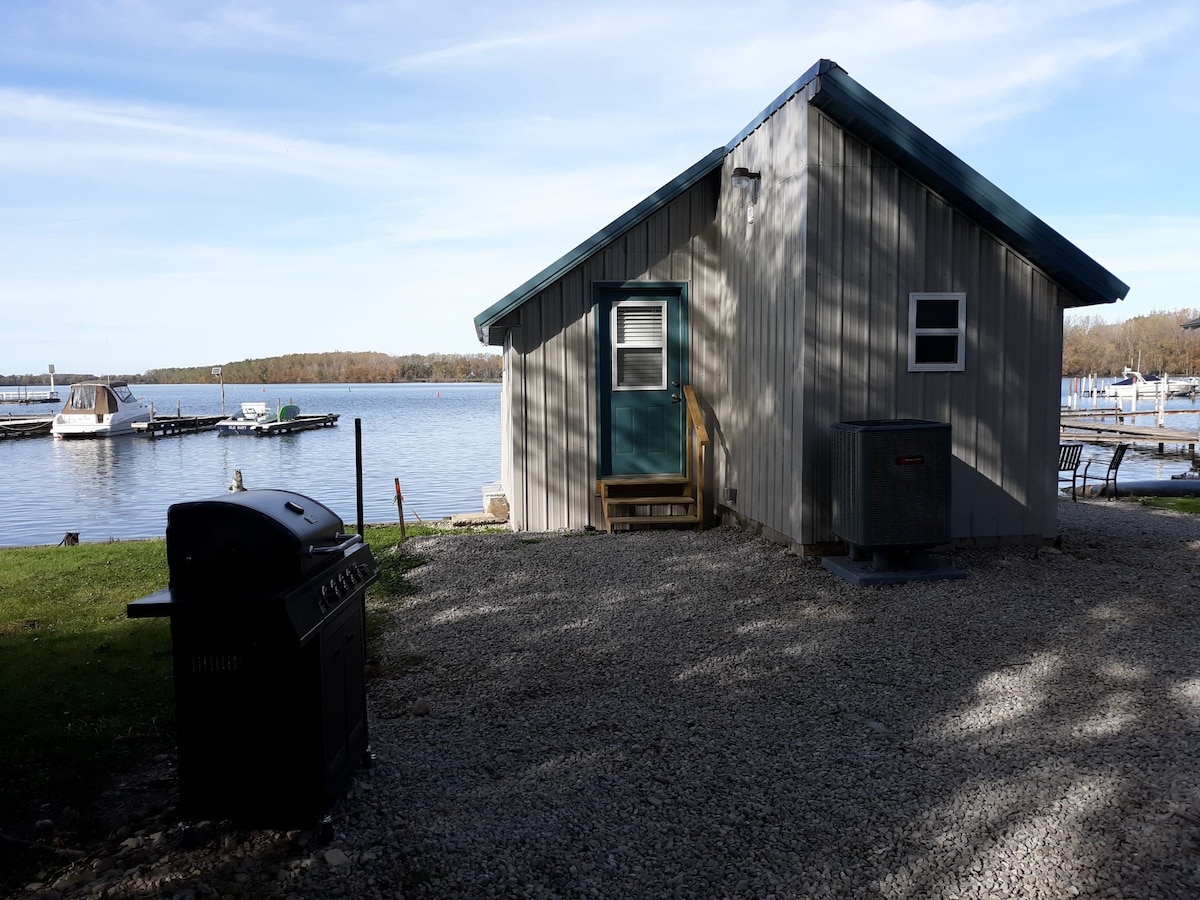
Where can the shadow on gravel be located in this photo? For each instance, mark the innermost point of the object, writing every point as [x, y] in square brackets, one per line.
[705, 713]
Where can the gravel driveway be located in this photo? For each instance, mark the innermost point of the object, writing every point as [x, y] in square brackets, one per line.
[681, 714]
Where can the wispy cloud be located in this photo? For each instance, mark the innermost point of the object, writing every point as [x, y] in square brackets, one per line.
[960, 68]
[74, 133]
[481, 52]
[251, 157]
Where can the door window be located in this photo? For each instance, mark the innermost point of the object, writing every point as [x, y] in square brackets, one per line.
[639, 330]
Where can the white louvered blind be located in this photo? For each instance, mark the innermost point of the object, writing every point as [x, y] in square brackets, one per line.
[639, 325]
[639, 345]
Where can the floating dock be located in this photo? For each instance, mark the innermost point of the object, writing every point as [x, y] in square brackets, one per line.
[28, 397]
[25, 426]
[172, 426]
[277, 426]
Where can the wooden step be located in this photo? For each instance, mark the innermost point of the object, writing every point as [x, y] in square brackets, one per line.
[674, 500]
[652, 520]
[624, 493]
[622, 483]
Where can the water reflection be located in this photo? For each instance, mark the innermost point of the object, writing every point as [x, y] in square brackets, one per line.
[442, 441]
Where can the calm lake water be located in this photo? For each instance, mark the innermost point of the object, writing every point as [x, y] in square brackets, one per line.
[441, 440]
[1140, 462]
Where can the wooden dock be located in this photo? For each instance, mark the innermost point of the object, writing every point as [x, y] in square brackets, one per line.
[29, 401]
[279, 426]
[25, 426]
[174, 426]
[1116, 426]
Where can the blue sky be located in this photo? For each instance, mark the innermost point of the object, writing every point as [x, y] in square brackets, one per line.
[193, 183]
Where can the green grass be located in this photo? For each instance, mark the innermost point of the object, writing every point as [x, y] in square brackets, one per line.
[82, 689]
[1179, 504]
[85, 691]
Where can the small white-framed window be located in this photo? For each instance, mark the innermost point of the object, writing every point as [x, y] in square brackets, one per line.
[937, 332]
[639, 345]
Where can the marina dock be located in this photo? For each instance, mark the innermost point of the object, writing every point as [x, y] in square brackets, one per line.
[1117, 426]
[278, 426]
[25, 426]
[29, 397]
[172, 426]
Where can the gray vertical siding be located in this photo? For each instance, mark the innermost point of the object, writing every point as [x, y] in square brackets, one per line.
[550, 475]
[760, 405]
[833, 345]
[799, 320]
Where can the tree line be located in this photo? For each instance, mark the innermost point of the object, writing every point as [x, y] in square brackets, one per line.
[310, 368]
[1156, 343]
[1153, 343]
[341, 368]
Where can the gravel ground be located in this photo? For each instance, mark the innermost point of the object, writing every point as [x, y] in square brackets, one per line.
[681, 714]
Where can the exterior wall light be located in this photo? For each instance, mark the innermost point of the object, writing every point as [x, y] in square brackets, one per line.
[743, 178]
[747, 183]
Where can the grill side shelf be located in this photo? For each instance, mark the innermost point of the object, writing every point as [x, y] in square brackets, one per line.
[152, 606]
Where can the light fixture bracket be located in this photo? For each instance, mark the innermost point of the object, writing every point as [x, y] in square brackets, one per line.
[743, 177]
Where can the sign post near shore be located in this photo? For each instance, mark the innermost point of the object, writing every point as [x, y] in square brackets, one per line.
[217, 371]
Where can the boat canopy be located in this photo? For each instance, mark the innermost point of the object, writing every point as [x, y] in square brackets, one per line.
[96, 397]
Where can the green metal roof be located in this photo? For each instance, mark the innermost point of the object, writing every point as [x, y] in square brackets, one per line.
[871, 120]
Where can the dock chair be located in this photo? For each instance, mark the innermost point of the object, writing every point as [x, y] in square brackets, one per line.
[1110, 474]
[1068, 465]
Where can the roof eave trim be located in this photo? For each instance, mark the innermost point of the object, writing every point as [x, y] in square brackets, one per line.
[601, 239]
[868, 117]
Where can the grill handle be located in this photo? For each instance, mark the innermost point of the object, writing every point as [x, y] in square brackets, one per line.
[348, 541]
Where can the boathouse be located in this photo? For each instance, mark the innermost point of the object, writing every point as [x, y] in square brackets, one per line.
[832, 262]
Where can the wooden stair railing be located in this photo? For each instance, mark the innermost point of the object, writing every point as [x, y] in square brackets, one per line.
[622, 497]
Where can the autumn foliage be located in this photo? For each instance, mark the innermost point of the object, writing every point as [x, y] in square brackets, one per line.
[1151, 344]
[341, 368]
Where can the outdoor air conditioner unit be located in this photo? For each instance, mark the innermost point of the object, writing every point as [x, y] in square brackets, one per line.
[890, 481]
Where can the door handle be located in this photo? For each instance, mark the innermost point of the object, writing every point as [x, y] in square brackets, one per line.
[675, 398]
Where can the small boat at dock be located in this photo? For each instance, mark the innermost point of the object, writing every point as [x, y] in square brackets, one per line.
[257, 419]
[100, 409]
[1135, 384]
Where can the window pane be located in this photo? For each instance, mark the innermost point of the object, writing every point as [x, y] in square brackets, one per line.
[83, 397]
[639, 324]
[640, 367]
[936, 348]
[937, 313]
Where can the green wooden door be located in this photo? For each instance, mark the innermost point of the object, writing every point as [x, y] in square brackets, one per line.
[642, 363]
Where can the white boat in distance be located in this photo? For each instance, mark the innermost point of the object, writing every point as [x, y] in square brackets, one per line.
[1135, 384]
[100, 409]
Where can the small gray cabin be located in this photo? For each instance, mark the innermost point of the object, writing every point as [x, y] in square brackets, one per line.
[831, 263]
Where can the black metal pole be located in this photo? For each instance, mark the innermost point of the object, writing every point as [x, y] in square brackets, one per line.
[358, 470]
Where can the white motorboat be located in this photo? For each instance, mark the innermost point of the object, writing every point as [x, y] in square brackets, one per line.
[1135, 384]
[100, 409]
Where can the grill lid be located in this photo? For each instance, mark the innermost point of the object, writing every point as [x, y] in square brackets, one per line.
[253, 544]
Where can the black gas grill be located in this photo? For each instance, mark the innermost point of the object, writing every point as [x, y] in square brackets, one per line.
[266, 602]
